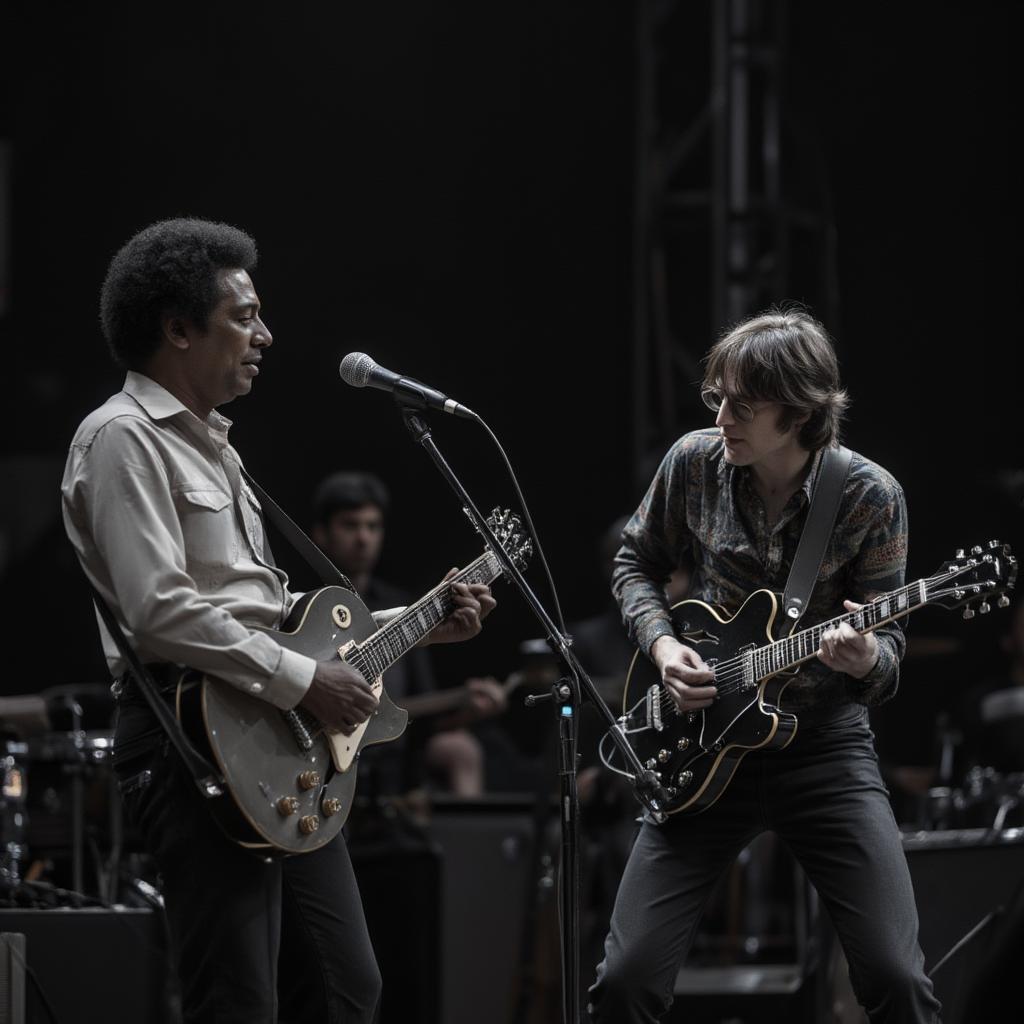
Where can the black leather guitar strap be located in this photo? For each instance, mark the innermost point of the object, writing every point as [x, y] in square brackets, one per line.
[821, 518]
[329, 573]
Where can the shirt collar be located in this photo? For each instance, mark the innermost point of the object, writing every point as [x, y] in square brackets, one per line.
[727, 475]
[160, 404]
[812, 474]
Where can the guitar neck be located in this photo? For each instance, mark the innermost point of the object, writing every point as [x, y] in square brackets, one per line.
[800, 647]
[380, 651]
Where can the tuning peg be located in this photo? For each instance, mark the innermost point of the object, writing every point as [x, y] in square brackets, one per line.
[976, 550]
[959, 554]
[984, 608]
[993, 544]
[968, 612]
[1003, 602]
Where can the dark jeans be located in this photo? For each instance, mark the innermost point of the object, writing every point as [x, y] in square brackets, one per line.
[255, 941]
[823, 796]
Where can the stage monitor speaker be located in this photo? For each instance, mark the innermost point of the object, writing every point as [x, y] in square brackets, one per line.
[95, 966]
[970, 880]
[12, 978]
[400, 885]
[487, 887]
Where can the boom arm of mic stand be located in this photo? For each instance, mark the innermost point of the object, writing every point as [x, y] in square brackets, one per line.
[647, 787]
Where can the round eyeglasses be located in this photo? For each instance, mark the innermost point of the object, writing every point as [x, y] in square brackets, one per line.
[714, 397]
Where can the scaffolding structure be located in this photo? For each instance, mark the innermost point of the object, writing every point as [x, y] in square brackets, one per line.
[719, 230]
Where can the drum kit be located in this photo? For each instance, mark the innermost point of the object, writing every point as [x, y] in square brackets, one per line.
[990, 794]
[61, 834]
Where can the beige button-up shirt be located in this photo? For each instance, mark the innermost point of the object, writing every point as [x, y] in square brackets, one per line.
[171, 536]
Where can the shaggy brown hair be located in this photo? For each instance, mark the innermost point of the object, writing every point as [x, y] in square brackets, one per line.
[784, 356]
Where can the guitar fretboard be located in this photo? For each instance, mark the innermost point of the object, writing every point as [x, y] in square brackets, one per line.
[380, 651]
[792, 650]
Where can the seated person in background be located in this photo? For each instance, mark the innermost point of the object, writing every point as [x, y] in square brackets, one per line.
[349, 511]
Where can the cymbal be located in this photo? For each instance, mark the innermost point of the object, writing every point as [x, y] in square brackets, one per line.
[1003, 704]
[25, 715]
[93, 691]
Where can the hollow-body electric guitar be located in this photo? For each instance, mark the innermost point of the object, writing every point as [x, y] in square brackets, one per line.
[695, 754]
[290, 783]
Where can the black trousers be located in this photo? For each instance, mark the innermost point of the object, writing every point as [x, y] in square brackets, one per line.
[255, 941]
[824, 798]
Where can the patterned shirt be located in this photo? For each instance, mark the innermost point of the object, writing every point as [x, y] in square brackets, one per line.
[705, 510]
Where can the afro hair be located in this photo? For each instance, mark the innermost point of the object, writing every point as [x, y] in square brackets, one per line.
[167, 269]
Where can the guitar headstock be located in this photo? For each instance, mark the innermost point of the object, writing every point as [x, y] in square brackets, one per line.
[975, 576]
[508, 529]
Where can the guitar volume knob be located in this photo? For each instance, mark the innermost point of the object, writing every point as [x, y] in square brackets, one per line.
[287, 805]
[331, 806]
[663, 756]
[308, 779]
[308, 824]
[682, 743]
[684, 778]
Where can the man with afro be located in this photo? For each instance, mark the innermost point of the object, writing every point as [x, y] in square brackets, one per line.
[170, 534]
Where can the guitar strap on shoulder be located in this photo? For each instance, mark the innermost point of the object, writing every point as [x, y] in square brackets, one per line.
[821, 518]
[205, 776]
[328, 572]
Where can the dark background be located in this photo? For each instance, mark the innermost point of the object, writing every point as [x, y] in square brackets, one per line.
[448, 186]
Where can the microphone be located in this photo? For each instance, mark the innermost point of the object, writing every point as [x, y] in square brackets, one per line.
[359, 370]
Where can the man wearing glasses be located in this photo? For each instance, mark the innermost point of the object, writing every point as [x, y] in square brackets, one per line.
[733, 499]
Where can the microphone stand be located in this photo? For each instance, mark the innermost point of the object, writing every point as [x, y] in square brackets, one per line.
[567, 694]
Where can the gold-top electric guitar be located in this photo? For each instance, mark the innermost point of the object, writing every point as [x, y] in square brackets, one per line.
[290, 784]
[696, 753]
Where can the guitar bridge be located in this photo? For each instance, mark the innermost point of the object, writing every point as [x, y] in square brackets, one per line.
[654, 707]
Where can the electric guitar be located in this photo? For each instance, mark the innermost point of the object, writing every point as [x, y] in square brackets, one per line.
[695, 754]
[289, 782]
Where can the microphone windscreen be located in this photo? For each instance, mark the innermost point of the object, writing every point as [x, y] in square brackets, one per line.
[356, 368]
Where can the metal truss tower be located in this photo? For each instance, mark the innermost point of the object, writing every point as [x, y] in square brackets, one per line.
[719, 232]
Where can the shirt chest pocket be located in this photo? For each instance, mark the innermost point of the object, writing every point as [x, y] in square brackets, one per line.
[208, 526]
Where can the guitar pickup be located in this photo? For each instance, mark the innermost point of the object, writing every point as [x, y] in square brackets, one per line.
[654, 707]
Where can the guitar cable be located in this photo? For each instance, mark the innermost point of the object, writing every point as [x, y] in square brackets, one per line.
[527, 518]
